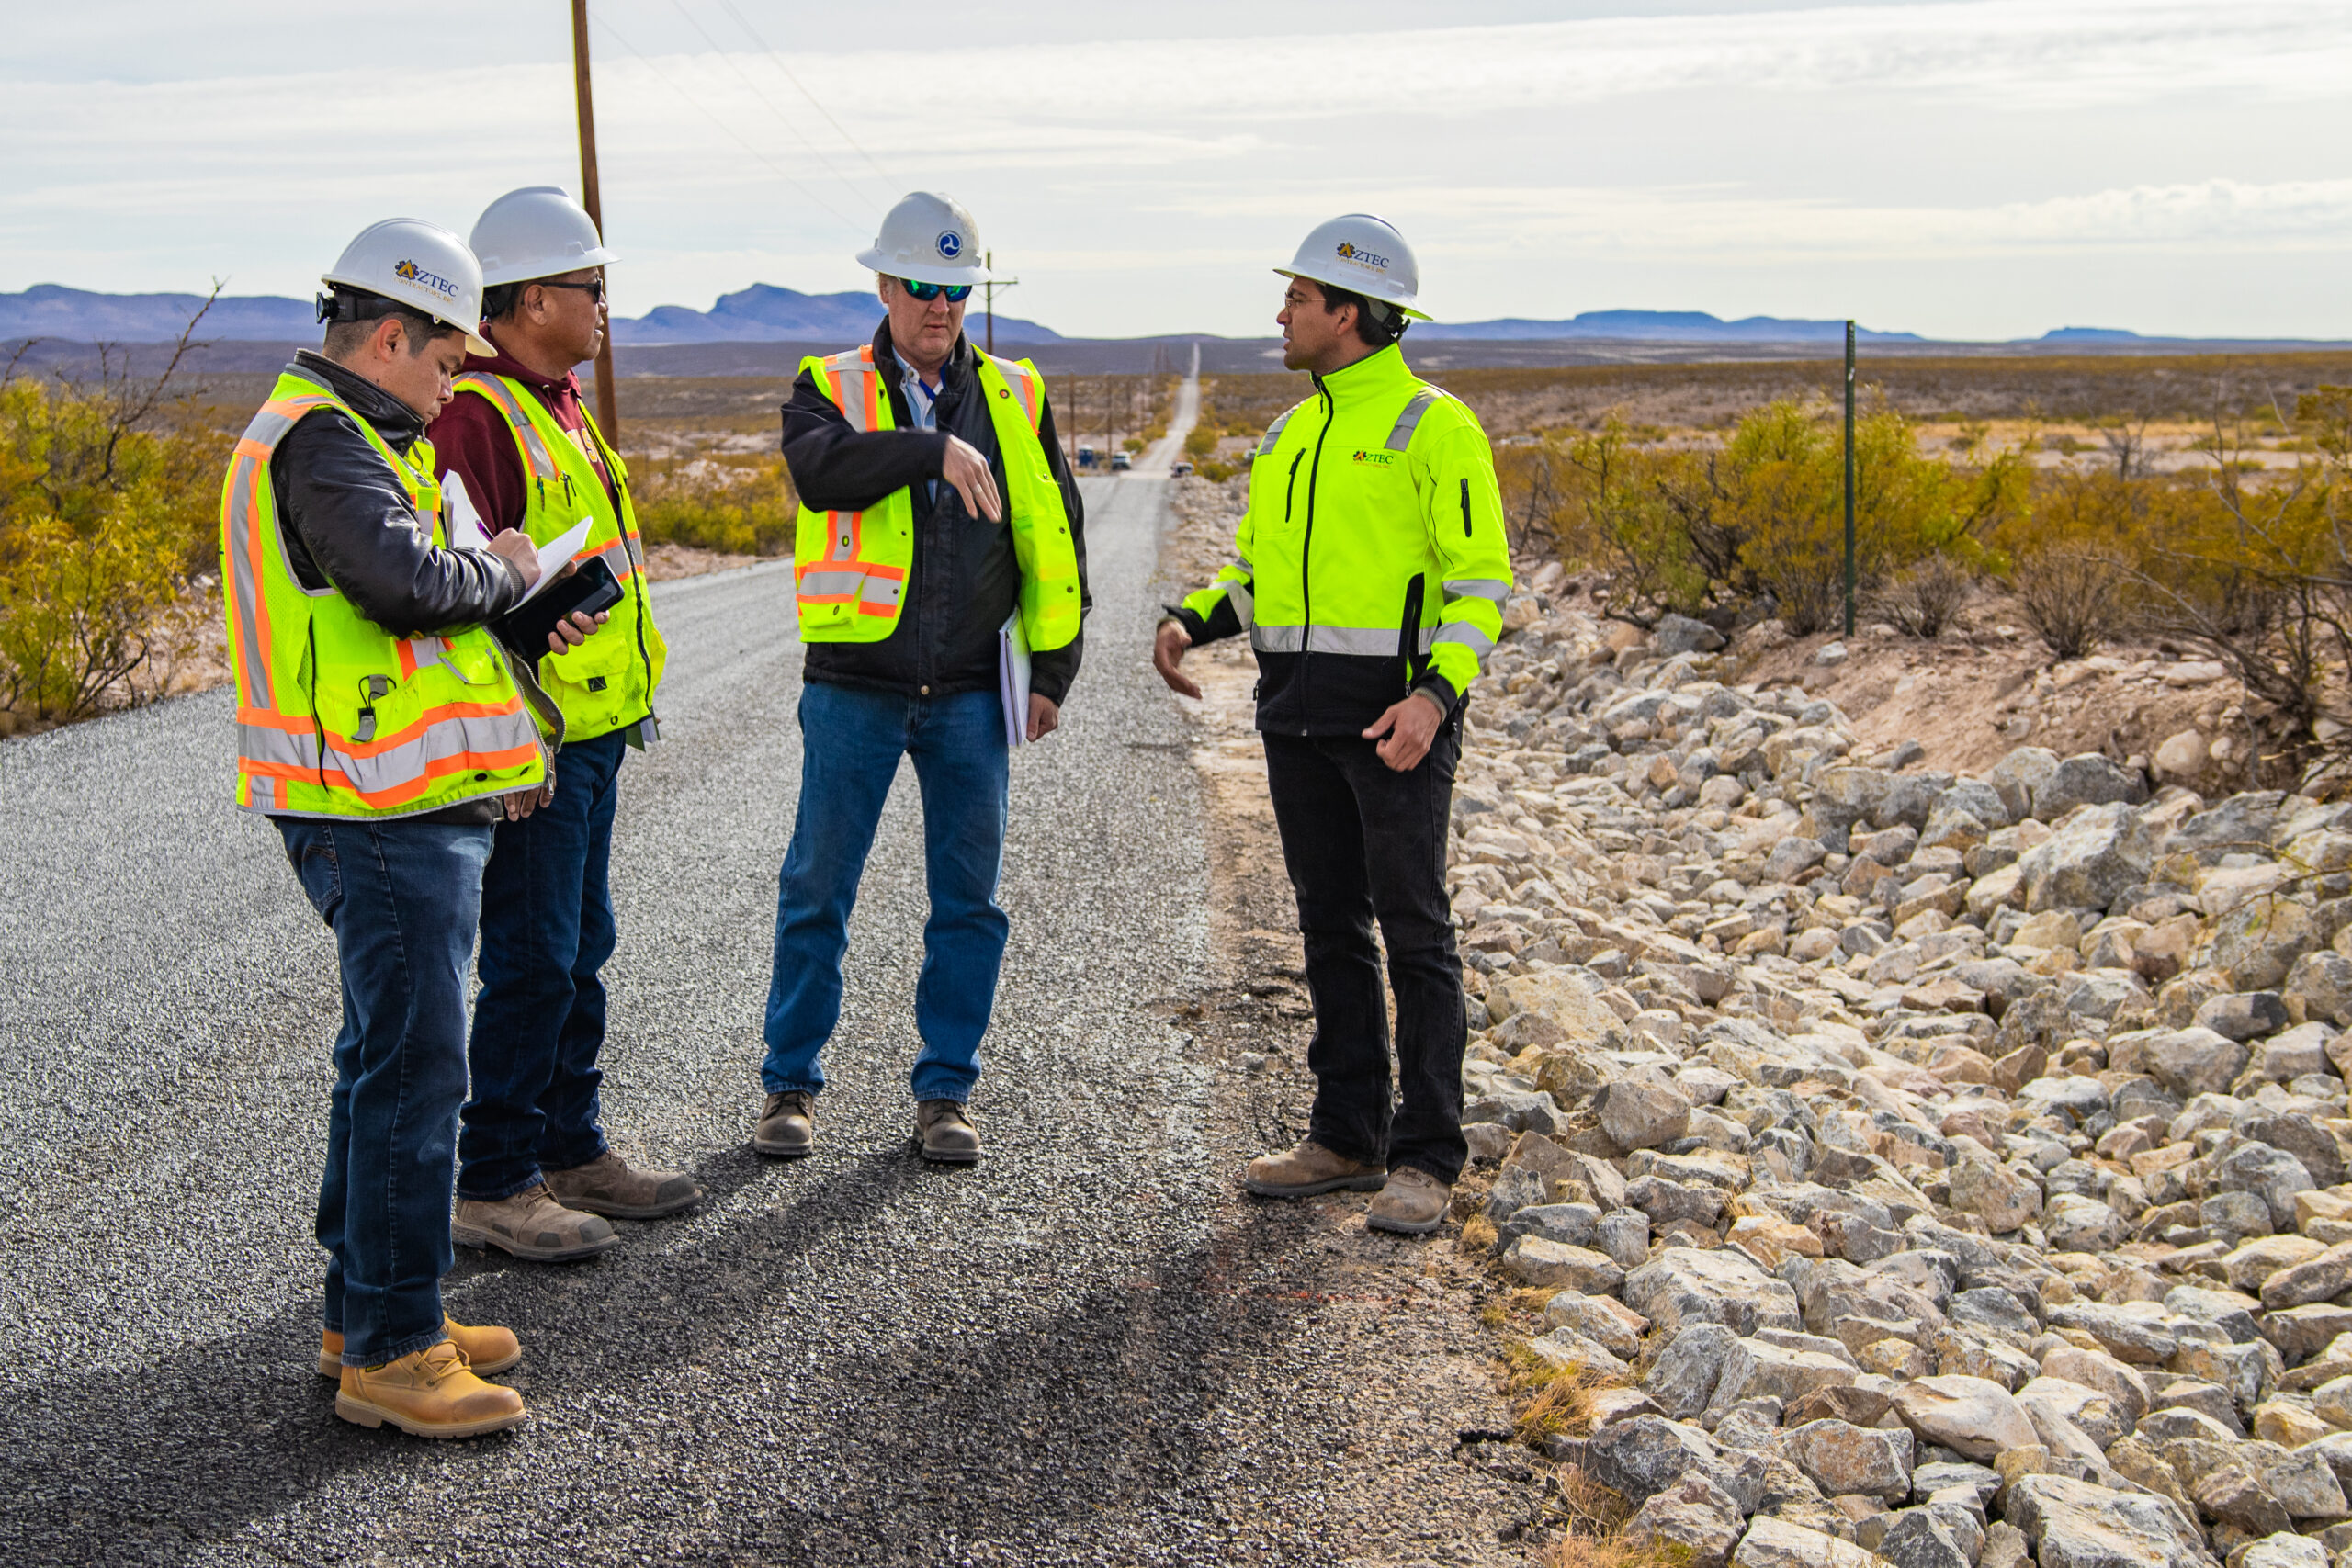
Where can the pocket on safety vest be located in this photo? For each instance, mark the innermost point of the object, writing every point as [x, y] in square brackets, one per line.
[609, 650]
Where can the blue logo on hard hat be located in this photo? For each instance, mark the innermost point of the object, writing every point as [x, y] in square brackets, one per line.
[951, 243]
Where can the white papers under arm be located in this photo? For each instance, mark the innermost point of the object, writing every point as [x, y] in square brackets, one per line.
[1012, 678]
[555, 554]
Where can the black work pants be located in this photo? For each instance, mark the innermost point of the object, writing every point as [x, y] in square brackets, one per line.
[1363, 842]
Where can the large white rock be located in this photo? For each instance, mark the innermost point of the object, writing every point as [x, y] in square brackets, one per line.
[1974, 1416]
[2077, 1524]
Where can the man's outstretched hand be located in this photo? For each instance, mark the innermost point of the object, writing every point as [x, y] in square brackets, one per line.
[1167, 652]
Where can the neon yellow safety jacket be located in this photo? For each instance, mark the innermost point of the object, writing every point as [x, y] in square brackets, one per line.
[609, 680]
[1373, 557]
[850, 567]
[336, 715]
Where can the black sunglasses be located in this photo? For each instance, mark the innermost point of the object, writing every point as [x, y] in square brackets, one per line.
[926, 292]
[595, 287]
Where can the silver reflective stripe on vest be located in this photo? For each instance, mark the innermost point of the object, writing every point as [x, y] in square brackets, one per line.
[244, 524]
[1493, 588]
[1245, 603]
[1478, 642]
[386, 771]
[1362, 642]
[1273, 433]
[503, 399]
[879, 590]
[1402, 436]
[831, 584]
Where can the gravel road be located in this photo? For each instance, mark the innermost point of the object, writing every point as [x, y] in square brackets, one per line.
[1087, 1349]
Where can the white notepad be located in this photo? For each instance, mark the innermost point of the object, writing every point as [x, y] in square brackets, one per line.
[1012, 678]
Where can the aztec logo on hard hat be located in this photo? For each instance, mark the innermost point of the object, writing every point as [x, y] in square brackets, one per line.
[409, 272]
[951, 244]
[1348, 251]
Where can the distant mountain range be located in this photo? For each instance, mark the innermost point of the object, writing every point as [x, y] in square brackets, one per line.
[765, 313]
[1661, 326]
[761, 313]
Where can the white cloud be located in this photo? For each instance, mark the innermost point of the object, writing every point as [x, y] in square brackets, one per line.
[1783, 160]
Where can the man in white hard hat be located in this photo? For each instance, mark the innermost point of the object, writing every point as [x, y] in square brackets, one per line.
[382, 729]
[1373, 567]
[937, 517]
[536, 1178]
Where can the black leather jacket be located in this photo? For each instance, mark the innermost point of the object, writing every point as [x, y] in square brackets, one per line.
[347, 523]
[964, 580]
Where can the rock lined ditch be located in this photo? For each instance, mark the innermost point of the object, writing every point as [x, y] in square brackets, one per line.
[1945, 1169]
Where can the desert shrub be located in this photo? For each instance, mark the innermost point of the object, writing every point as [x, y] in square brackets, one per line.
[1202, 440]
[2072, 597]
[738, 505]
[1764, 517]
[1923, 600]
[108, 515]
[1215, 472]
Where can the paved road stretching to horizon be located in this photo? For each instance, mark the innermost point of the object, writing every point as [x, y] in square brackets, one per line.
[1087, 1349]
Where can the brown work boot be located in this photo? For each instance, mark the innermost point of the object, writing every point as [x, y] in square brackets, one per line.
[946, 1132]
[486, 1350]
[1412, 1203]
[605, 1185]
[1307, 1170]
[531, 1225]
[788, 1126]
[429, 1394]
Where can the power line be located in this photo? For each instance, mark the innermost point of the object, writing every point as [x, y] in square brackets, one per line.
[769, 104]
[846, 223]
[728, 6]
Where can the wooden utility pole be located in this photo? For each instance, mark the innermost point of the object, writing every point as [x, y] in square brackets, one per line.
[608, 412]
[987, 295]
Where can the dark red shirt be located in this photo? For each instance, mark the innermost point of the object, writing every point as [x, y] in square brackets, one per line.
[473, 438]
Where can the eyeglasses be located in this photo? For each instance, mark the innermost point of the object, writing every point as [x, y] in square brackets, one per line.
[595, 287]
[956, 292]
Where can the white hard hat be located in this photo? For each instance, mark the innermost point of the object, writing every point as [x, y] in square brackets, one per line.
[1365, 253]
[421, 265]
[927, 238]
[538, 232]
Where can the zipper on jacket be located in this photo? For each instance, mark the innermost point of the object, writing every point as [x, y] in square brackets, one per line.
[1465, 506]
[1290, 485]
[1305, 582]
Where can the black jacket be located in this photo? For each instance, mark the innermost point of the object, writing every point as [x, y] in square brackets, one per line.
[349, 524]
[964, 580]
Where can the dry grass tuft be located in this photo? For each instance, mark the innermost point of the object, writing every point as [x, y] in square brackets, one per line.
[1558, 1398]
[1478, 1237]
[1593, 1536]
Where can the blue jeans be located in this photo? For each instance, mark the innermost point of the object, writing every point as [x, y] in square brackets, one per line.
[547, 929]
[851, 743]
[403, 899]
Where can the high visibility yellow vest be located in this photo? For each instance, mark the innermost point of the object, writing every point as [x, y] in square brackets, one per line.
[850, 567]
[609, 680]
[336, 715]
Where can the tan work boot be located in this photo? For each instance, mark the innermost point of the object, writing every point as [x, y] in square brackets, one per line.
[1307, 1170]
[486, 1350]
[429, 1394]
[1412, 1203]
[946, 1132]
[788, 1126]
[532, 1225]
[605, 1185]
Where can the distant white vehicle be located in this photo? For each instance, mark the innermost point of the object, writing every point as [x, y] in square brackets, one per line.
[1121, 461]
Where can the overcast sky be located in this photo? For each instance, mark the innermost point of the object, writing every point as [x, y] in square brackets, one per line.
[1964, 168]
